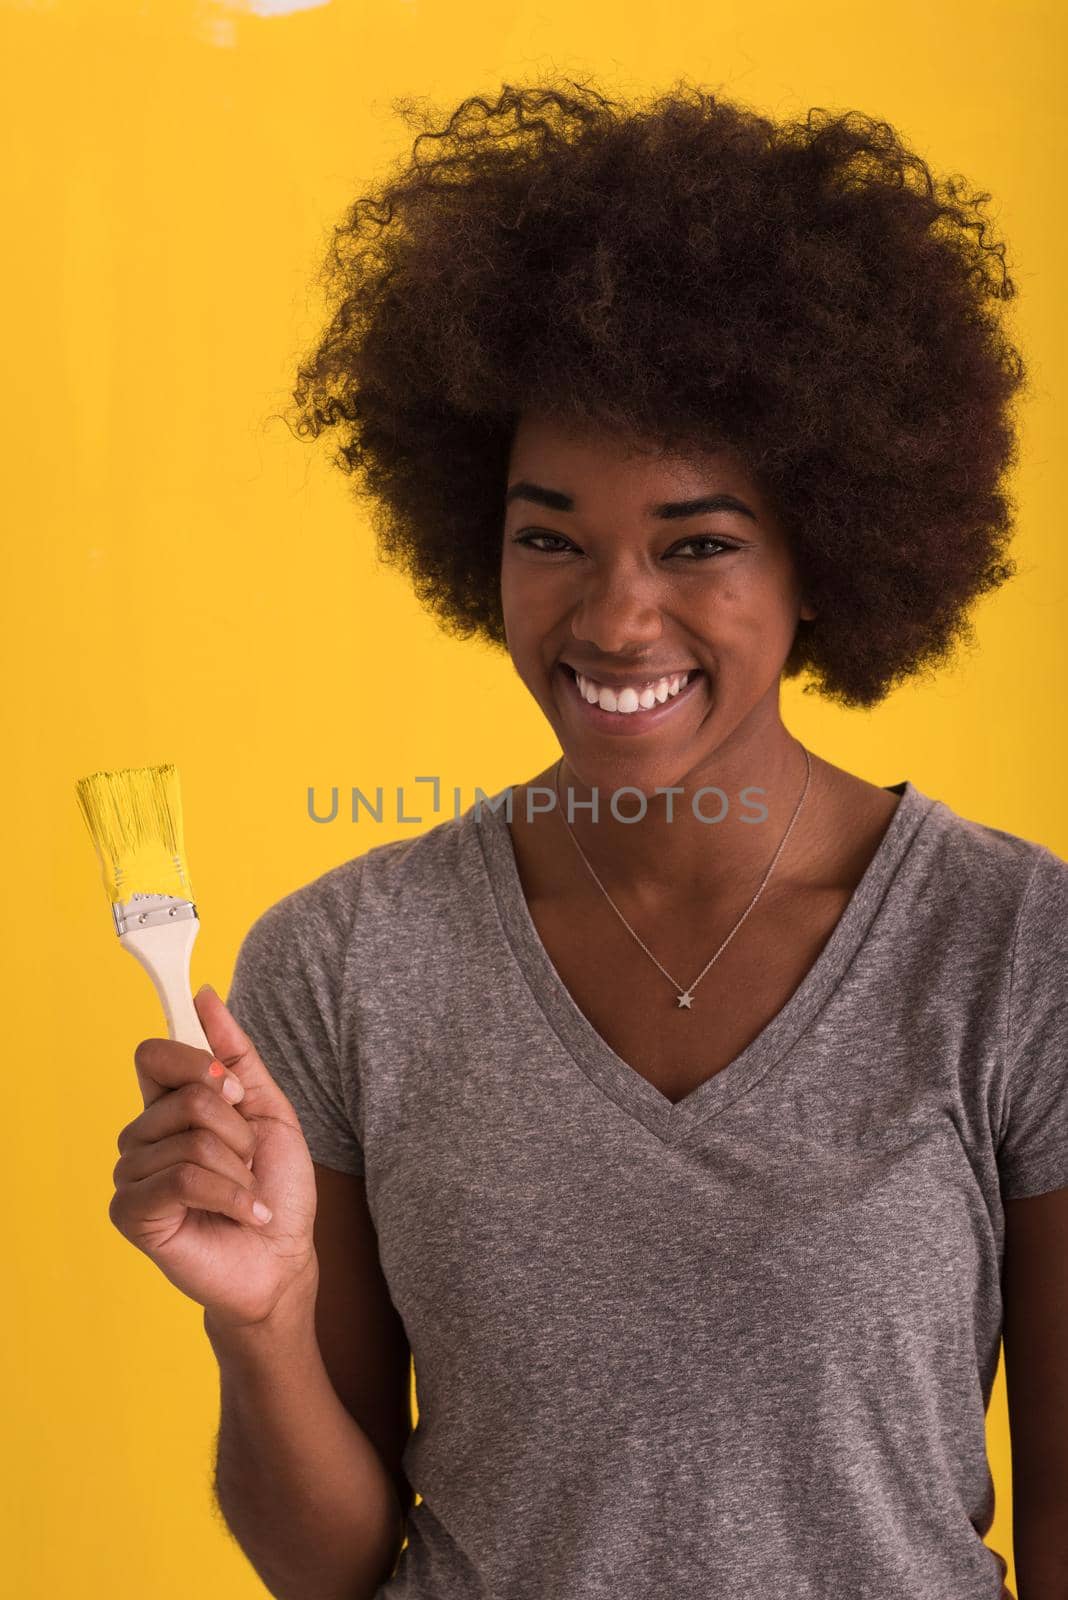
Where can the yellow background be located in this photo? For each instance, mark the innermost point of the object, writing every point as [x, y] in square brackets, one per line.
[185, 581]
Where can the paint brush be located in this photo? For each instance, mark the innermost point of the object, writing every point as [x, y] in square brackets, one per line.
[134, 817]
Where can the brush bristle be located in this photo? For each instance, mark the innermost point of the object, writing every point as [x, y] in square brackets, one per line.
[135, 820]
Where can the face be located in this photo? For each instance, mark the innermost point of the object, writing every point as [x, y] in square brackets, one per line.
[617, 588]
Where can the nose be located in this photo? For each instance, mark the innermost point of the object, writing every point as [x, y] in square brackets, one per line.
[616, 612]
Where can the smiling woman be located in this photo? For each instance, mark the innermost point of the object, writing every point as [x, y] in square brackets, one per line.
[704, 1285]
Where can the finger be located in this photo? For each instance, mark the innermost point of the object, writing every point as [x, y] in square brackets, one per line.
[193, 1105]
[198, 1146]
[233, 1047]
[184, 1185]
[165, 1064]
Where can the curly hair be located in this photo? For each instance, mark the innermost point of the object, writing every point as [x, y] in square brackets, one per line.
[686, 271]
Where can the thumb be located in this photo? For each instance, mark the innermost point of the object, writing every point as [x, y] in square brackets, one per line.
[231, 1045]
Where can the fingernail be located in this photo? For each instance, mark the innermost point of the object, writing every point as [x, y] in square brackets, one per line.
[233, 1089]
[205, 987]
[216, 1069]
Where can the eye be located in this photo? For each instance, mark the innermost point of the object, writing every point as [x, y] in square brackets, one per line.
[555, 548]
[702, 539]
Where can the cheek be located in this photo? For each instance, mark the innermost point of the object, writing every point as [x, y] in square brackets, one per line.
[530, 601]
[525, 624]
[511, 609]
[512, 582]
[752, 601]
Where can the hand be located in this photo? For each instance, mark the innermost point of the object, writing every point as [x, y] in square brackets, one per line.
[191, 1165]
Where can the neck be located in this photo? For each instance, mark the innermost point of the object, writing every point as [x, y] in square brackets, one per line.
[669, 855]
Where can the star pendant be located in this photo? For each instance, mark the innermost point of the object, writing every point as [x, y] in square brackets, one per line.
[686, 1001]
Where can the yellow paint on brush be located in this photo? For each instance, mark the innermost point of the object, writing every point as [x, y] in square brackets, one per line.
[135, 819]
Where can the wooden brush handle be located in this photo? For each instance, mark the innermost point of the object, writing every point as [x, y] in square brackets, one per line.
[164, 953]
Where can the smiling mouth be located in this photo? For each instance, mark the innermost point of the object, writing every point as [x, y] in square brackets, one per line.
[629, 710]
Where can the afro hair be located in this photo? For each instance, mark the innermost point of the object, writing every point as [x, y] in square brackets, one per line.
[688, 272]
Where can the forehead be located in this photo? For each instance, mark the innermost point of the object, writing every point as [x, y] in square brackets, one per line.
[600, 467]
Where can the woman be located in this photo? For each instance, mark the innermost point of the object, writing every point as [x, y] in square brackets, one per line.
[699, 1144]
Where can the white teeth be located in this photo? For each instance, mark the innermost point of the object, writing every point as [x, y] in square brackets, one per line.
[628, 700]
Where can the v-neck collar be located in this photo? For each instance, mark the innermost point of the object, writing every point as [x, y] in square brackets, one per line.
[616, 1077]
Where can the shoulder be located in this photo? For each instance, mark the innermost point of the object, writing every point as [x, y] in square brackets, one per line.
[968, 842]
[999, 876]
[319, 916]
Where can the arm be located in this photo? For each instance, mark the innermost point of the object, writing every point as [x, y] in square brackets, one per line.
[298, 1481]
[1035, 1332]
[321, 1401]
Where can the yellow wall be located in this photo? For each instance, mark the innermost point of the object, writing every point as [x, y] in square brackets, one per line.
[184, 581]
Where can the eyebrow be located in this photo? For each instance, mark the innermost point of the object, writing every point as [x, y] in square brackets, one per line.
[556, 500]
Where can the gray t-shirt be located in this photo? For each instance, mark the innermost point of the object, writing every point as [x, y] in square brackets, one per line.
[741, 1346]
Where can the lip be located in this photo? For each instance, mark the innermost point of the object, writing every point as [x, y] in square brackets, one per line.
[634, 723]
[623, 680]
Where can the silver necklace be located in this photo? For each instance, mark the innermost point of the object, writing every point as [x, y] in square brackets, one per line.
[685, 996]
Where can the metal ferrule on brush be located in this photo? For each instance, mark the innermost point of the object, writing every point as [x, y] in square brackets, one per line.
[149, 910]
